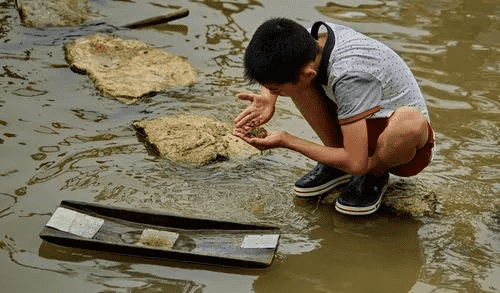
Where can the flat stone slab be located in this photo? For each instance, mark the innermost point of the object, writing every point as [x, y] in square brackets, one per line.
[193, 139]
[127, 69]
[54, 13]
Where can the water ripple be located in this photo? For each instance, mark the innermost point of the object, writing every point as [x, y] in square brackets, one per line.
[51, 170]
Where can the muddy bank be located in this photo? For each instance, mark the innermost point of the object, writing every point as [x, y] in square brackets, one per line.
[55, 13]
[127, 69]
[193, 139]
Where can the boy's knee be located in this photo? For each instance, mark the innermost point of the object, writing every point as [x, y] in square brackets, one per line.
[413, 125]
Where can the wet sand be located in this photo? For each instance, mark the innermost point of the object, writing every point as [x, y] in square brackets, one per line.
[61, 139]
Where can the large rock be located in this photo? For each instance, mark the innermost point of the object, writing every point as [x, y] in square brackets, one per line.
[127, 69]
[193, 139]
[54, 13]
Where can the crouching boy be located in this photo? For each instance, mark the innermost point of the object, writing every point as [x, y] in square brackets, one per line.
[357, 94]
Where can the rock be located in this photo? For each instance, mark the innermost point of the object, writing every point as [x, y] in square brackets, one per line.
[410, 196]
[405, 196]
[193, 139]
[54, 13]
[127, 69]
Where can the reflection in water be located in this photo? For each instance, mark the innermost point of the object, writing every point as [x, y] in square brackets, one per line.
[372, 254]
[59, 139]
[134, 274]
[229, 33]
[104, 271]
[7, 201]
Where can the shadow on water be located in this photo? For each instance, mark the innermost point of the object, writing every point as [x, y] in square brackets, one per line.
[382, 250]
[452, 48]
[60, 139]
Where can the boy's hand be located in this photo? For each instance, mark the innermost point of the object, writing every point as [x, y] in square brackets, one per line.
[260, 111]
[271, 139]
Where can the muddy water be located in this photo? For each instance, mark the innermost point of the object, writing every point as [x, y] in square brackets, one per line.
[60, 139]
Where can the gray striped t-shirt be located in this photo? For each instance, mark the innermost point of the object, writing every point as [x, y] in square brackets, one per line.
[367, 79]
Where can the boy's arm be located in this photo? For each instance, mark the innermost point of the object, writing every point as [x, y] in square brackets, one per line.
[260, 111]
[352, 158]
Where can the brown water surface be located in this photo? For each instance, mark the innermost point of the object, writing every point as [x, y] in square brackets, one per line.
[60, 139]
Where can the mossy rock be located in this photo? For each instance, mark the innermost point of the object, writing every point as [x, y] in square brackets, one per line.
[193, 139]
[55, 13]
[127, 69]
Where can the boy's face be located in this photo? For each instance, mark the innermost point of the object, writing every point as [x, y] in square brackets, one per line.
[290, 89]
[286, 89]
[280, 89]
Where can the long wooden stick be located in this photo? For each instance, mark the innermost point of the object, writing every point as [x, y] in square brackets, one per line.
[159, 19]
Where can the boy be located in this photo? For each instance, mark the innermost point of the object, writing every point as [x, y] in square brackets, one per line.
[356, 93]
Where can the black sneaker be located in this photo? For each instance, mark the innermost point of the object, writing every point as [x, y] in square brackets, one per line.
[362, 195]
[321, 179]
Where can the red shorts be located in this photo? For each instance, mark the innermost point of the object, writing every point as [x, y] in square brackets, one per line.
[422, 158]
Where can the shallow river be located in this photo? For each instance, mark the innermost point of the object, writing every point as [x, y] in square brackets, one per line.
[60, 139]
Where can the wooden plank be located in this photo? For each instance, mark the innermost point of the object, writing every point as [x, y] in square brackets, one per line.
[196, 240]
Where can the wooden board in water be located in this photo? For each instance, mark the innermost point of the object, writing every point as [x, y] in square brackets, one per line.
[197, 240]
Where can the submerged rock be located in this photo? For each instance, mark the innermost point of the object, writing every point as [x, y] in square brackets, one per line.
[54, 13]
[193, 139]
[410, 196]
[127, 69]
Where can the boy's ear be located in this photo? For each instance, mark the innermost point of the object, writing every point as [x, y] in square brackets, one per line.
[309, 71]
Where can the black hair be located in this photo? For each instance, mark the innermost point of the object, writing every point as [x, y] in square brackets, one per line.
[278, 51]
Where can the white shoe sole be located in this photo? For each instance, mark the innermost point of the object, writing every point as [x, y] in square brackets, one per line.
[360, 211]
[317, 190]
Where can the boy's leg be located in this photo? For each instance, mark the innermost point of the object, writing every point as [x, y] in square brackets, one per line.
[320, 113]
[406, 132]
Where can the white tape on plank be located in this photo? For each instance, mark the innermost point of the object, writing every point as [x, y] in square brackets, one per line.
[260, 241]
[75, 223]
